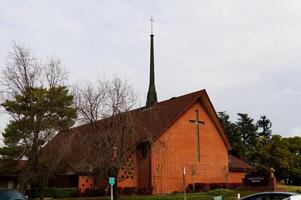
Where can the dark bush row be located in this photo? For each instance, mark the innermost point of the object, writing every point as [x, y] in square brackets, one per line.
[134, 190]
[198, 187]
[53, 192]
[122, 191]
[91, 192]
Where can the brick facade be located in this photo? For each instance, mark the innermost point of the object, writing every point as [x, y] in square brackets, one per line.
[176, 148]
[162, 169]
[236, 177]
[158, 164]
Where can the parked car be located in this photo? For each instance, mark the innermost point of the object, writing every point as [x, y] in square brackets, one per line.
[270, 196]
[11, 194]
[294, 197]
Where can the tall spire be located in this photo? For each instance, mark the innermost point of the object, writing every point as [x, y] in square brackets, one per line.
[151, 94]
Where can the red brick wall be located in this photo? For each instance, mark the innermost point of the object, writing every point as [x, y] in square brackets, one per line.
[140, 172]
[85, 182]
[132, 180]
[236, 177]
[143, 166]
[176, 148]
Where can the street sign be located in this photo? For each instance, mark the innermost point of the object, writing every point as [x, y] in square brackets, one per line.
[111, 181]
[218, 198]
[256, 180]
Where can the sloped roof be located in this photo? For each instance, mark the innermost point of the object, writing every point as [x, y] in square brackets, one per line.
[236, 164]
[154, 120]
[10, 167]
[173, 108]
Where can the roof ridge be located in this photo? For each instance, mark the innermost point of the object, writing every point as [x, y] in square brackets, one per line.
[172, 98]
[184, 109]
[135, 109]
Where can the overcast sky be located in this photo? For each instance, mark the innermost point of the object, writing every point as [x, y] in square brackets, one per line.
[246, 54]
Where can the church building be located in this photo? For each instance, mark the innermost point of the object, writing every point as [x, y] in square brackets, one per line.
[189, 147]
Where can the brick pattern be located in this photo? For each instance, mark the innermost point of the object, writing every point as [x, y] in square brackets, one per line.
[143, 168]
[236, 177]
[140, 173]
[85, 182]
[131, 181]
[176, 149]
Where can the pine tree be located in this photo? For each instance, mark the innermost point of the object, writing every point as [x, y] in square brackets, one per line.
[39, 105]
[231, 130]
[247, 131]
[265, 124]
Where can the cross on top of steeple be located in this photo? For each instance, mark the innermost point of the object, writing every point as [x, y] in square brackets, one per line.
[152, 21]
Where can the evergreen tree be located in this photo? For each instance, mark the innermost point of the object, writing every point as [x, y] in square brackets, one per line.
[231, 131]
[247, 131]
[265, 125]
[39, 105]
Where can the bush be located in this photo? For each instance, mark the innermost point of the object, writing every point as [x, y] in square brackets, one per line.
[201, 187]
[198, 187]
[175, 192]
[91, 192]
[145, 191]
[53, 192]
[234, 185]
[213, 186]
[35, 192]
[128, 190]
[65, 192]
[135, 190]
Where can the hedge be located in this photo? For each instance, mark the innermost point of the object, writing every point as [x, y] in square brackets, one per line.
[54, 192]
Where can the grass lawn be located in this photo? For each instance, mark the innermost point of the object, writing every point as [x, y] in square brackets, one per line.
[226, 193]
[289, 188]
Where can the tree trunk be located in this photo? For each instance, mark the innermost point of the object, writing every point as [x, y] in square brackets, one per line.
[41, 192]
[193, 184]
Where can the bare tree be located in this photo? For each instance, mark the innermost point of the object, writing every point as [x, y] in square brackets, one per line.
[39, 104]
[114, 138]
[108, 98]
[193, 173]
[160, 154]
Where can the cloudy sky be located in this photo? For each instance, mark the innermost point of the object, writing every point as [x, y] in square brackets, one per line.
[246, 54]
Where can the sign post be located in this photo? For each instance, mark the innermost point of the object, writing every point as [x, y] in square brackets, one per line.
[184, 183]
[112, 182]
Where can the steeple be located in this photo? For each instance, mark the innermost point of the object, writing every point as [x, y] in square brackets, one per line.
[151, 94]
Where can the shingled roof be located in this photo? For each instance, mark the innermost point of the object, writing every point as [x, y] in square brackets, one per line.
[236, 164]
[173, 108]
[154, 120]
[11, 168]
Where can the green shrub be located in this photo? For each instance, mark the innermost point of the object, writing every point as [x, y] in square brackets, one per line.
[65, 192]
[35, 192]
[54, 192]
